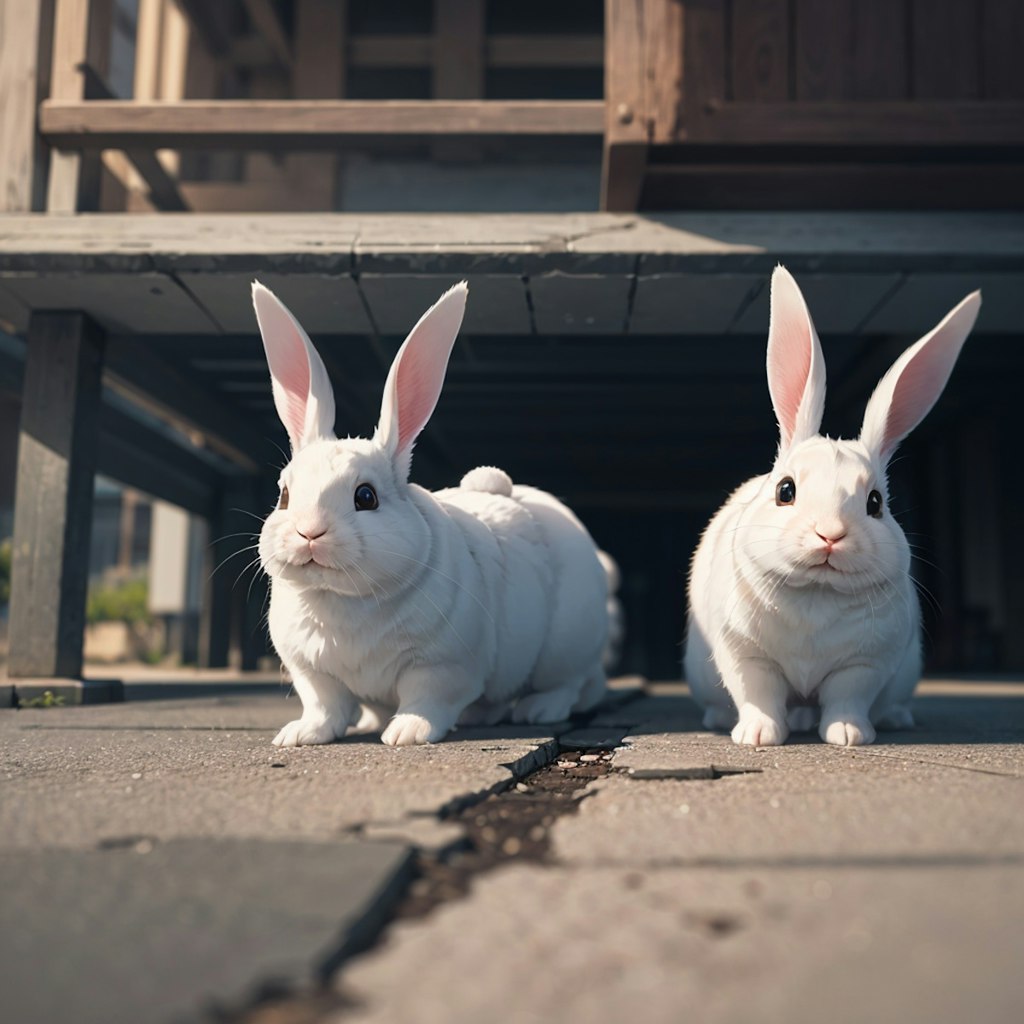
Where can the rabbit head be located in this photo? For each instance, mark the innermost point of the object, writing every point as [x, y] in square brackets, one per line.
[822, 516]
[345, 521]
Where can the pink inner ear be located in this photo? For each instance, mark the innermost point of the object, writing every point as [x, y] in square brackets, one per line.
[789, 366]
[291, 386]
[416, 393]
[916, 391]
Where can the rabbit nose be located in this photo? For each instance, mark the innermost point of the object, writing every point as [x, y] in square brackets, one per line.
[310, 531]
[830, 533]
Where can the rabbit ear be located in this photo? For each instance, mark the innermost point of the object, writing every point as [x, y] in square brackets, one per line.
[796, 366]
[907, 392]
[302, 389]
[414, 383]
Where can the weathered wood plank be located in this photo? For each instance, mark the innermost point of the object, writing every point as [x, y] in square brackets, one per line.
[625, 117]
[946, 49]
[823, 45]
[458, 67]
[81, 35]
[127, 303]
[580, 303]
[704, 62]
[760, 49]
[318, 72]
[323, 304]
[497, 302]
[265, 20]
[25, 29]
[53, 504]
[664, 72]
[156, 385]
[938, 123]
[325, 124]
[164, 193]
[881, 50]
[690, 303]
[925, 298]
[839, 303]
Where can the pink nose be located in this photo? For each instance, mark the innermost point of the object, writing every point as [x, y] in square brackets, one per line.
[311, 532]
[830, 535]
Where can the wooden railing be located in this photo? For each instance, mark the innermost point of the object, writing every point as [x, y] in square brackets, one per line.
[706, 102]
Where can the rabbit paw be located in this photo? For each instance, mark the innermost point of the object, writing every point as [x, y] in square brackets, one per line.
[307, 731]
[549, 706]
[756, 729]
[719, 718]
[408, 730]
[802, 719]
[852, 732]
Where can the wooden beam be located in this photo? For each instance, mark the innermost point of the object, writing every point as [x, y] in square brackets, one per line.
[25, 30]
[164, 193]
[209, 20]
[53, 507]
[323, 124]
[897, 123]
[265, 20]
[81, 35]
[317, 73]
[141, 457]
[458, 72]
[172, 395]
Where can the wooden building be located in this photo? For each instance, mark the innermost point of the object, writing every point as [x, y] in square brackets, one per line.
[614, 180]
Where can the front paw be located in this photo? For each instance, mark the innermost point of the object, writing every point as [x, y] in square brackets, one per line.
[849, 731]
[409, 729]
[757, 729]
[308, 731]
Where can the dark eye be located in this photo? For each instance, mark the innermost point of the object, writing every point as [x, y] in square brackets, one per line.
[366, 498]
[875, 504]
[785, 493]
[282, 502]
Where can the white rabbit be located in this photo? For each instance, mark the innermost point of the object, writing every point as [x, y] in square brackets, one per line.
[467, 604]
[801, 602]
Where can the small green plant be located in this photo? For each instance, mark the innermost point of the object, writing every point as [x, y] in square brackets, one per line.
[123, 601]
[5, 571]
[47, 699]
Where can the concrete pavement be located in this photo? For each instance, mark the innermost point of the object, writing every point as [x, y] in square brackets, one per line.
[162, 858]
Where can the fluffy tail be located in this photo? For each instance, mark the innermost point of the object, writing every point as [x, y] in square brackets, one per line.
[489, 480]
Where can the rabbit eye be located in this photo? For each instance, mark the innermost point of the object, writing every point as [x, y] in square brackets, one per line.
[365, 498]
[785, 493]
[875, 505]
[282, 502]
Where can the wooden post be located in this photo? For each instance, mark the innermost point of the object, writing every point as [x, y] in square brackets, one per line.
[625, 122]
[25, 30]
[458, 66]
[81, 35]
[318, 72]
[53, 505]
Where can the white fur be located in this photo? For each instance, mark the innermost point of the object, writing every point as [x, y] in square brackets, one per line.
[470, 604]
[806, 612]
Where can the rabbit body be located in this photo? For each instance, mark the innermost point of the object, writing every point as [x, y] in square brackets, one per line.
[802, 608]
[391, 602]
[809, 636]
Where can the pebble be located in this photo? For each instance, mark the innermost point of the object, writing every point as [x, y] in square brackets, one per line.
[522, 787]
[590, 757]
[136, 775]
[511, 846]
